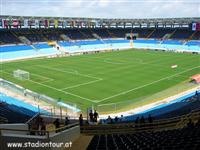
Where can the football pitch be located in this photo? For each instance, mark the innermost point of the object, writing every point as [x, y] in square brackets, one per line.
[105, 78]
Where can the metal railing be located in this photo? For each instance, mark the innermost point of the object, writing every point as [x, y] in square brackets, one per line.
[51, 105]
[156, 125]
[3, 120]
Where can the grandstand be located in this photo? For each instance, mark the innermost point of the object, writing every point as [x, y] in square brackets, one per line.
[140, 75]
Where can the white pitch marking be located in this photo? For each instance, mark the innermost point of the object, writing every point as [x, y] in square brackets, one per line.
[77, 85]
[77, 73]
[64, 91]
[42, 76]
[57, 89]
[125, 92]
[111, 62]
[47, 81]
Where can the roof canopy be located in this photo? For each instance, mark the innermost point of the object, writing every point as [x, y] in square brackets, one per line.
[112, 20]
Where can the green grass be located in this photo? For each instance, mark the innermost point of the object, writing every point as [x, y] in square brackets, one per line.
[96, 79]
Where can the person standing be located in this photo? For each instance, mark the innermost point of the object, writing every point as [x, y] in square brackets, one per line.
[96, 115]
[91, 115]
[81, 120]
[57, 124]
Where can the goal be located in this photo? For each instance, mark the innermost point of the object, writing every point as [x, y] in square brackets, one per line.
[21, 74]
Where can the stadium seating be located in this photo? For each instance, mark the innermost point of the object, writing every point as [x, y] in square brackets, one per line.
[41, 46]
[15, 48]
[174, 42]
[44, 35]
[193, 43]
[118, 32]
[15, 114]
[7, 37]
[181, 34]
[145, 136]
[185, 138]
[160, 33]
[147, 41]
[196, 35]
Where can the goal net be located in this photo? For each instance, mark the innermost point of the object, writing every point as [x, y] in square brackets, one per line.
[21, 74]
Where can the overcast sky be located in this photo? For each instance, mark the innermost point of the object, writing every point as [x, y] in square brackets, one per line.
[102, 8]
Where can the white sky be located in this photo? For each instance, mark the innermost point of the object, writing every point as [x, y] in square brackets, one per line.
[102, 8]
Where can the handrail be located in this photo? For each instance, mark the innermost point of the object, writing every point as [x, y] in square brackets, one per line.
[64, 127]
[155, 121]
[178, 122]
[36, 115]
[53, 130]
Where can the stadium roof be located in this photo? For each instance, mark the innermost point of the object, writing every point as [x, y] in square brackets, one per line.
[111, 20]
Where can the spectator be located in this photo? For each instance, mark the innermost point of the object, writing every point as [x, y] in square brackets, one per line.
[40, 126]
[96, 115]
[121, 118]
[109, 120]
[116, 119]
[66, 120]
[43, 128]
[57, 124]
[196, 93]
[37, 122]
[91, 115]
[81, 120]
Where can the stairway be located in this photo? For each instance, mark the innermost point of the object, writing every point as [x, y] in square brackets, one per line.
[24, 40]
[82, 33]
[14, 35]
[111, 34]
[168, 35]
[149, 35]
[173, 33]
[60, 48]
[98, 37]
[190, 38]
[65, 37]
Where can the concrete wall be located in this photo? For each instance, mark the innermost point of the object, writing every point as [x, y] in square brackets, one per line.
[64, 137]
[14, 126]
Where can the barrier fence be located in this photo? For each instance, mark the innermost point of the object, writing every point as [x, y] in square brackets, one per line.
[45, 104]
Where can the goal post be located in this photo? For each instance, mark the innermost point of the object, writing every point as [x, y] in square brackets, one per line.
[21, 74]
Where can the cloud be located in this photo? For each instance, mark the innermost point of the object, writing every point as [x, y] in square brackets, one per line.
[102, 8]
[104, 3]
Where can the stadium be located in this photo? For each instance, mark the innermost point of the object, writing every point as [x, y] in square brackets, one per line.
[99, 83]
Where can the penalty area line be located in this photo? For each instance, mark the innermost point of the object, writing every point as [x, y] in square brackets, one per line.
[57, 89]
[78, 85]
[64, 71]
[63, 91]
[139, 87]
